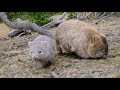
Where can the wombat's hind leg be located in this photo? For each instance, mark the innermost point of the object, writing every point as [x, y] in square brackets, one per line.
[59, 50]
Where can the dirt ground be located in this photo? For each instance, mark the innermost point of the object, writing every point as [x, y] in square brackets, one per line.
[16, 63]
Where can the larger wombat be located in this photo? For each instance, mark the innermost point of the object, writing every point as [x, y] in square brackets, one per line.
[82, 39]
[42, 49]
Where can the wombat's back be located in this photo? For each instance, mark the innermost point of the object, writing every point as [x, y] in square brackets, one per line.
[76, 36]
[71, 26]
[71, 29]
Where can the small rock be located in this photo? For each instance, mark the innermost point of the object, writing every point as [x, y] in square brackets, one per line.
[66, 64]
[4, 39]
[19, 60]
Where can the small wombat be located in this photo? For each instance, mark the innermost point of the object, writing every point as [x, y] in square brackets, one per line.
[82, 39]
[42, 49]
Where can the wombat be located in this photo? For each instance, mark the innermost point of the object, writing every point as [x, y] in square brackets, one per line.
[82, 39]
[42, 49]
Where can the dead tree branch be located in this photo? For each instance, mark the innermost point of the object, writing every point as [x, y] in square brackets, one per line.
[55, 22]
[20, 26]
[82, 15]
[62, 16]
[86, 15]
[103, 14]
[103, 17]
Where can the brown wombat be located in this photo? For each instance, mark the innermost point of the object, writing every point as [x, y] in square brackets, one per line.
[82, 39]
[42, 49]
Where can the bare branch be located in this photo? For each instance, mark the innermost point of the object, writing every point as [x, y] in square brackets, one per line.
[15, 32]
[51, 24]
[86, 15]
[20, 25]
[83, 15]
[55, 22]
[55, 75]
[62, 16]
[104, 17]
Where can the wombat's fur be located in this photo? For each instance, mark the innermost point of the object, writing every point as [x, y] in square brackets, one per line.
[82, 39]
[42, 49]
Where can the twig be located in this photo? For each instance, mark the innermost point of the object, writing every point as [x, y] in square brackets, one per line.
[62, 16]
[55, 75]
[104, 17]
[75, 60]
[86, 15]
[55, 22]
[81, 17]
[51, 24]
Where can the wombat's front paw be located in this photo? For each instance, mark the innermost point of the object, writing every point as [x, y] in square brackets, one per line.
[46, 64]
[59, 53]
[38, 66]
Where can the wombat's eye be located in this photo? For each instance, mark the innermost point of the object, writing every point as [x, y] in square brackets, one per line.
[102, 52]
[39, 51]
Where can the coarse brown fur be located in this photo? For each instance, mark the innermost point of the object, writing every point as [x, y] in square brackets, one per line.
[82, 39]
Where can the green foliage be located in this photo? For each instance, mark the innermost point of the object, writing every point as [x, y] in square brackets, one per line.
[39, 18]
[71, 15]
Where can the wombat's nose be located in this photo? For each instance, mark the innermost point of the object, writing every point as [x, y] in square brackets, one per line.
[35, 58]
[105, 56]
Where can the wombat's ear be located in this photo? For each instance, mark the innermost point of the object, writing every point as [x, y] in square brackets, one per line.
[29, 43]
[45, 43]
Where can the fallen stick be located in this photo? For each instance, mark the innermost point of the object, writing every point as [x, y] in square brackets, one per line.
[104, 17]
[55, 75]
[18, 24]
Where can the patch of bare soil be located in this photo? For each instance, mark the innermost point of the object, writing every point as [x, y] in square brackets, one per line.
[4, 30]
[16, 63]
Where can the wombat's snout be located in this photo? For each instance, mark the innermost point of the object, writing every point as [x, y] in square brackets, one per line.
[35, 58]
[104, 57]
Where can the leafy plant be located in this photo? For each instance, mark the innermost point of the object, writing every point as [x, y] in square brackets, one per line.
[39, 18]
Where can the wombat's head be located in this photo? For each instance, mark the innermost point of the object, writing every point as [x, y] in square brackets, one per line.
[39, 50]
[98, 47]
